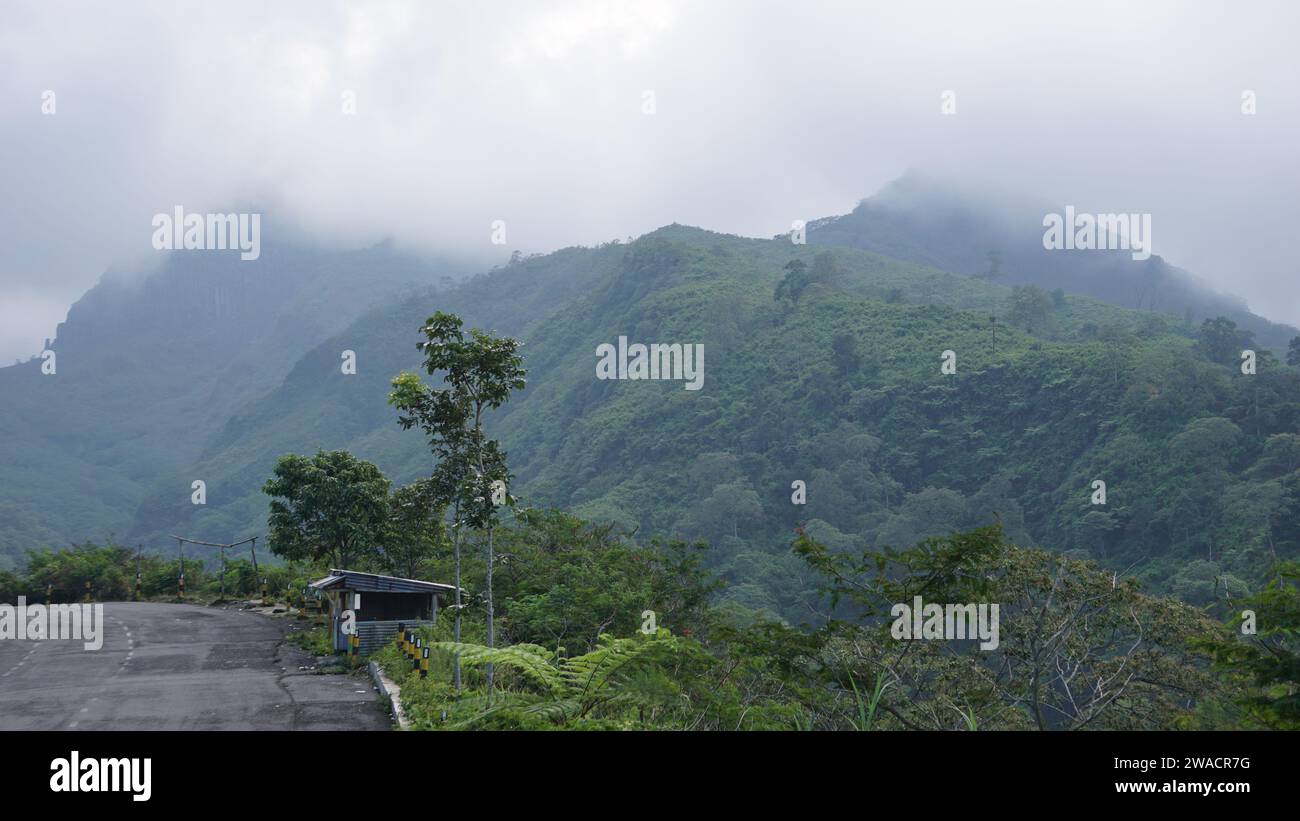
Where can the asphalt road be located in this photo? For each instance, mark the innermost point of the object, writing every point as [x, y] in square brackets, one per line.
[179, 667]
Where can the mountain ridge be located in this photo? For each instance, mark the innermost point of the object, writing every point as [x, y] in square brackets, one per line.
[837, 384]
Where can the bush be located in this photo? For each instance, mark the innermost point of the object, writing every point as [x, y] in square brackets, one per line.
[111, 570]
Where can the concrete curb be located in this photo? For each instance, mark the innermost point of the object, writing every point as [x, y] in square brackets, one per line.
[389, 688]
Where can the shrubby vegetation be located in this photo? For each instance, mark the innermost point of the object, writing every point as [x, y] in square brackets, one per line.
[1079, 649]
[111, 569]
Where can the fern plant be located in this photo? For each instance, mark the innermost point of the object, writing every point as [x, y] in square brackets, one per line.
[622, 676]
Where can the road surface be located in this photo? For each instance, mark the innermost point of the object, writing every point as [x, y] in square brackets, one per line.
[179, 667]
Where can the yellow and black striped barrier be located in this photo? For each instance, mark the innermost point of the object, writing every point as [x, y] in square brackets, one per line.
[88, 598]
[264, 591]
[49, 594]
[415, 653]
[424, 664]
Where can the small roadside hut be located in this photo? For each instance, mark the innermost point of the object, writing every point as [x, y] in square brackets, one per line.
[380, 604]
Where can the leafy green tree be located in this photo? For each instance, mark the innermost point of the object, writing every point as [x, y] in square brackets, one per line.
[795, 281]
[1206, 446]
[329, 507]
[414, 532]
[1269, 659]
[107, 567]
[709, 470]
[1119, 342]
[799, 276]
[844, 354]
[1094, 531]
[926, 513]
[565, 581]
[443, 415]
[1030, 308]
[1219, 340]
[1079, 648]
[479, 373]
[824, 268]
[1280, 456]
[11, 586]
[723, 511]
[1203, 452]
[1293, 351]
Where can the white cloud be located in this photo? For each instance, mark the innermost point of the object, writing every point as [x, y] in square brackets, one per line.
[531, 112]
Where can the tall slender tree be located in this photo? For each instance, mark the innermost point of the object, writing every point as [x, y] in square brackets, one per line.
[479, 372]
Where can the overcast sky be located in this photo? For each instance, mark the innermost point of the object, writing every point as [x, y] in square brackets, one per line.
[532, 113]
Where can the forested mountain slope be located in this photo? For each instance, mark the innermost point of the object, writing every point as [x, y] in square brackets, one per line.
[1000, 235]
[822, 366]
[837, 384]
[148, 367]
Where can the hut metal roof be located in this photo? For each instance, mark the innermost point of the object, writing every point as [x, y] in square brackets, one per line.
[375, 583]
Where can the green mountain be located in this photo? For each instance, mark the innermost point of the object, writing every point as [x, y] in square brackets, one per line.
[999, 234]
[842, 391]
[837, 384]
[149, 366]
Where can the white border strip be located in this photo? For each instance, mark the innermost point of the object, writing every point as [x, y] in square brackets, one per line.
[388, 688]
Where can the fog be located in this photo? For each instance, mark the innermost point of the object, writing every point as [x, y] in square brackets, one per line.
[578, 122]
